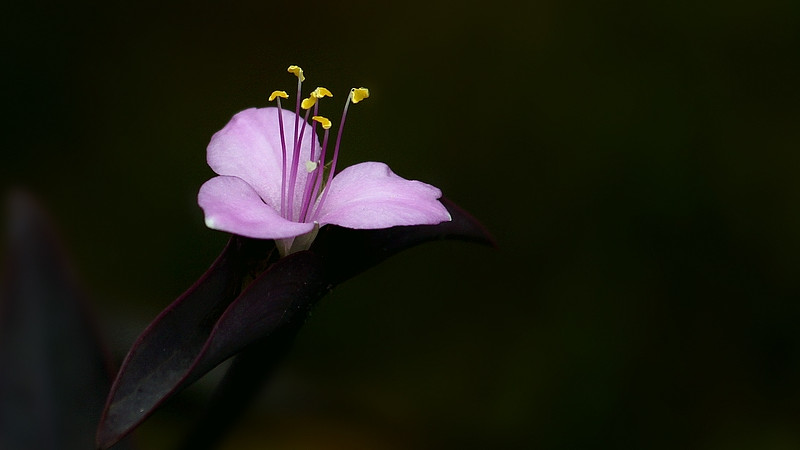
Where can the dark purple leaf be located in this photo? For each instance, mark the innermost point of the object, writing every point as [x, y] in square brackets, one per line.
[253, 366]
[53, 372]
[184, 343]
[210, 323]
[160, 358]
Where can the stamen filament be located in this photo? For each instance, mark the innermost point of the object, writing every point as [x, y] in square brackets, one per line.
[315, 166]
[295, 165]
[335, 157]
[311, 173]
[300, 77]
[319, 175]
[283, 167]
[313, 155]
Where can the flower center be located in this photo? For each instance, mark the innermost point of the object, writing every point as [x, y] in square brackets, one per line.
[313, 168]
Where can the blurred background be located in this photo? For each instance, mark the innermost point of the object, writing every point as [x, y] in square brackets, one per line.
[636, 161]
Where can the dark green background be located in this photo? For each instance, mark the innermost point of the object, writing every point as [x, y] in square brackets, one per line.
[637, 162]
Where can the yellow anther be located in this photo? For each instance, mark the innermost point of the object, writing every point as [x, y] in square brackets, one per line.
[308, 102]
[321, 92]
[326, 124]
[297, 71]
[358, 94]
[311, 166]
[281, 94]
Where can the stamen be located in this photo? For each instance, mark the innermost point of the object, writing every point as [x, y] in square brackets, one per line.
[315, 169]
[313, 155]
[356, 95]
[295, 164]
[314, 179]
[298, 72]
[319, 174]
[317, 93]
[310, 176]
[278, 95]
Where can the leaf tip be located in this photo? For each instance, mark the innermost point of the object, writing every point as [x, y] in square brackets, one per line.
[470, 229]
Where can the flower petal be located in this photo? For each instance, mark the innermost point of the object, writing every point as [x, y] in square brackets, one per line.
[249, 147]
[370, 196]
[231, 204]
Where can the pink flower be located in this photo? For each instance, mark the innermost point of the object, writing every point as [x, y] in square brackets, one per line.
[273, 183]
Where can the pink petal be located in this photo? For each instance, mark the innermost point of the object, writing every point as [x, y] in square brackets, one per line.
[249, 147]
[370, 196]
[231, 204]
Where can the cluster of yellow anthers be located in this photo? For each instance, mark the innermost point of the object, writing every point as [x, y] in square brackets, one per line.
[290, 173]
[356, 95]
